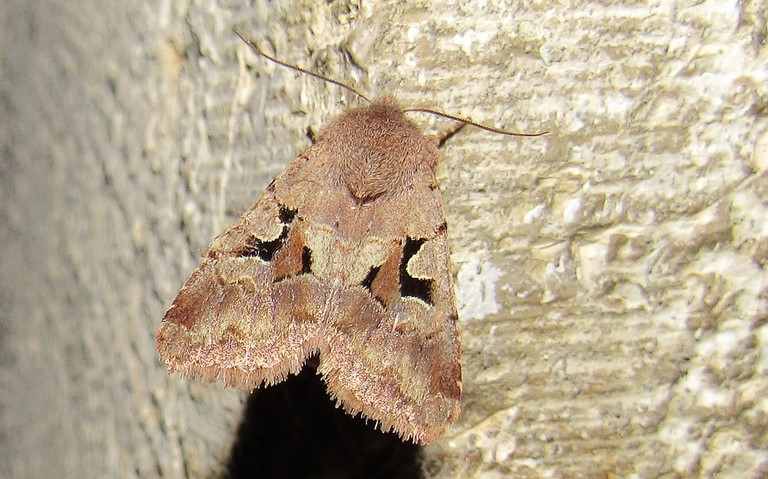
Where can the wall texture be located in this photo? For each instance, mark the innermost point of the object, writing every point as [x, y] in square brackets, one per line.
[611, 275]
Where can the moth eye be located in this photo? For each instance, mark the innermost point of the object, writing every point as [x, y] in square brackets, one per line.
[410, 286]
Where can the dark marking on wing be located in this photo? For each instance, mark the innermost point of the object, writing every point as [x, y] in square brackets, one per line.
[410, 286]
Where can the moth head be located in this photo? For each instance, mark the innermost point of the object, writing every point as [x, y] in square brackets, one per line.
[376, 150]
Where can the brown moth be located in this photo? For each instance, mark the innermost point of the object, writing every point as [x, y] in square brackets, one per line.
[344, 256]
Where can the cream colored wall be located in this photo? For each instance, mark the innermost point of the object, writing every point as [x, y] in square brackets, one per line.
[611, 275]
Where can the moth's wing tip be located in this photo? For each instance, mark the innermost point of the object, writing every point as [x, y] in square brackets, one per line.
[418, 423]
[182, 352]
[386, 424]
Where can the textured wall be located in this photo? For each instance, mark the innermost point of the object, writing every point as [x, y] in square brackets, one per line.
[611, 276]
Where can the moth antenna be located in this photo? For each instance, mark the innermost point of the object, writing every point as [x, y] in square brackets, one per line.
[473, 123]
[299, 69]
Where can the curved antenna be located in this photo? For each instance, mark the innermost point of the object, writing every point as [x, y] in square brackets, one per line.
[350, 89]
[478, 125]
[299, 69]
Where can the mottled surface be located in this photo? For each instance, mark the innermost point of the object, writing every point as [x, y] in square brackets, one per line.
[611, 275]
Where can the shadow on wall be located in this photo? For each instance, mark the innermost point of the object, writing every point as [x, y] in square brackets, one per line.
[294, 430]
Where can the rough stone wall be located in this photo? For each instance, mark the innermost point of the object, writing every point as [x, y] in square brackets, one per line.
[611, 275]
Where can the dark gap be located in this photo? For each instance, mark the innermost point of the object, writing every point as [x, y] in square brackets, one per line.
[306, 261]
[266, 250]
[263, 249]
[368, 282]
[294, 430]
[410, 286]
[286, 215]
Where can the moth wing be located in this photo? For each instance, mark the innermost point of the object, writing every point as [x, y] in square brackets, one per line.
[392, 350]
[247, 314]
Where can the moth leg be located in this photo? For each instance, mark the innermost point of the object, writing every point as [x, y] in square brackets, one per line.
[312, 134]
[447, 134]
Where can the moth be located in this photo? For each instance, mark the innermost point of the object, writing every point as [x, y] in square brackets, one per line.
[344, 256]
